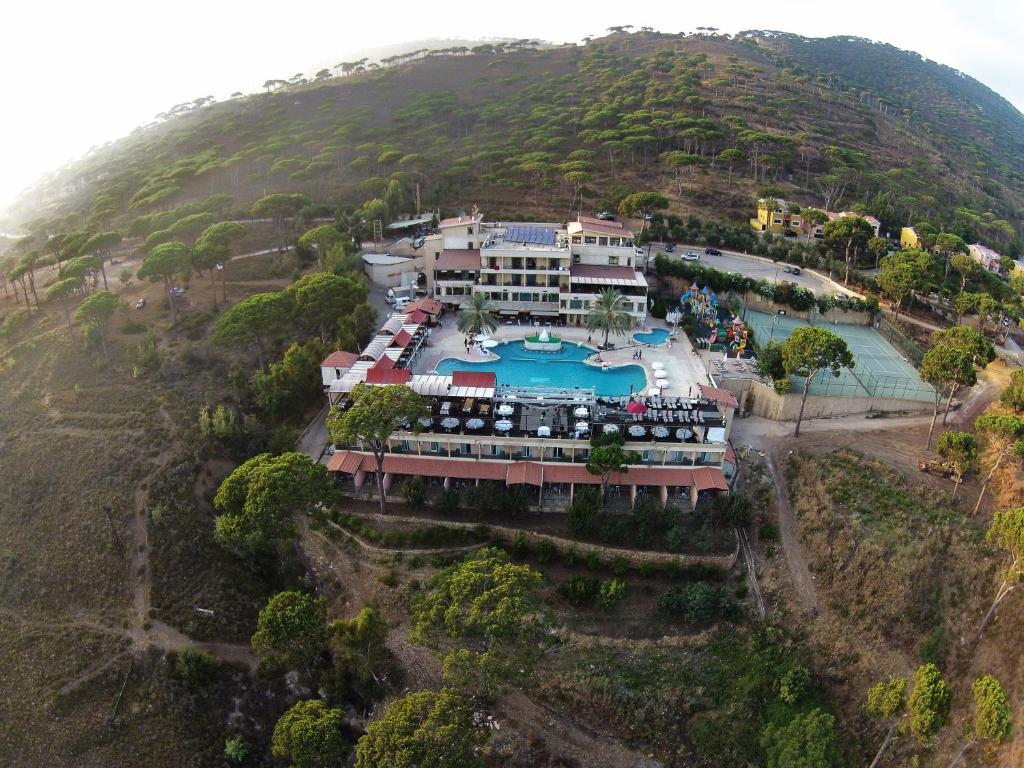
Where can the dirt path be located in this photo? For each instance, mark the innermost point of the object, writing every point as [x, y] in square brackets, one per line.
[799, 572]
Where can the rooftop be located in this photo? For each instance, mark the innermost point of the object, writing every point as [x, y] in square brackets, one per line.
[458, 258]
[590, 221]
[384, 258]
[461, 220]
[339, 360]
[602, 275]
[610, 228]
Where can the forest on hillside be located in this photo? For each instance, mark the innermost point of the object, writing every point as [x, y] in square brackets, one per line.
[711, 121]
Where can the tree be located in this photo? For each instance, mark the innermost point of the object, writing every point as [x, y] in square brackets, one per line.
[486, 610]
[1006, 438]
[95, 312]
[946, 244]
[946, 367]
[237, 749]
[425, 729]
[639, 203]
[165, 263]
[373, 414]
[609, 314]
[854, 232]
[279, 208]
[213, 247]
[809, 350]
[322, 299]
[809, 740]
[360, 652]
[605, 459]
[878, 247]
[61, 291]
[929, 703]
[960, 450]
[321, 239]
[887, 701]
[965, 304]
[730, 157]
[256, 321]
[1013, 395]
[477, 315]
[291, 630]
[256, 501]
[1006, 533]
[987, 306]
[969, 340]
[679, 162]
[993, 718]
[311, 735]
[901, 274]
[966, 266]
[100, 245]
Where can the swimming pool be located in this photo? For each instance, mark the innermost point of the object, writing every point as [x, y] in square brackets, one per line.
[655, 336]
[517, 367]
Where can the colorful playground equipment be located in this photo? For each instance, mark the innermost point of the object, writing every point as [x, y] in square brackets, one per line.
[715, 327]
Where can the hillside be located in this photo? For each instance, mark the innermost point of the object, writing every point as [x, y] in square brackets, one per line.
[840, 122]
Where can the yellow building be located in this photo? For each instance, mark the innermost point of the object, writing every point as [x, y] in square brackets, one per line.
[777, 216]
[909, 239]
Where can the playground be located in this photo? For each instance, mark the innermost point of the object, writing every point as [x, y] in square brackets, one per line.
[715, 327]
[879, 369]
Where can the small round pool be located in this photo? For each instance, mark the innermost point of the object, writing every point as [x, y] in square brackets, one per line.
[654, 337]
[516, 366]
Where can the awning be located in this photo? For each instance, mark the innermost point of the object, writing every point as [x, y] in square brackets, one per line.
[708, 478]
[344, 461]
[528, 472]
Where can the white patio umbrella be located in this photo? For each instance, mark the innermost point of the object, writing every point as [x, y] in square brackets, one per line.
[662, 383]
[657, 364]
[582, 426]
[503, 425]
[610, 428]
[505, 410]
[581, 411]
[653, 391]
[489, 343]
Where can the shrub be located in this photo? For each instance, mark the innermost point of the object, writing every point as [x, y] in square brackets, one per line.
[572, 556]
[195, 668]
[579, 590]
[611, 593]
[546, 551]
[593, 560]
[695, 602]
[782, 386]
[647, 568]
[520, 549]
[236, 749]
[584, 511]
[768, 531]
[449, 502]
[614, 529]
[620, 566]
[675, 539]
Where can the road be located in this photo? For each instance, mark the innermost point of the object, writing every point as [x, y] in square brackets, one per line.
[752, 266]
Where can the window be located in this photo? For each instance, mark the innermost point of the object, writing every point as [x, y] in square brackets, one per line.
[492, 450]
[575, 258]
[602, 241]
[648, 455]
[469, 231]
[576, 239]
[406, 445]
[776, 221]
[435, 447]
[613, 260]
[469, 244]
[614, 240]
[527, 451]
[676, 456]
[589, 240]
[556, 452]
[467, 448]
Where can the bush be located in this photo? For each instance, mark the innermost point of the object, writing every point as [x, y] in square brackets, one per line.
[593, 560]
[614, 529]
[620, 566]
[449, 502]
[696, 603]
[520, 549]
[612, 592]
[659, 309]
[546, 551]
[412, 492]
[579, 590]
[196, 668]
[782, 386]
[572, 556]
[675, 539]
[647, 568]
[768, 531]
[583, 513]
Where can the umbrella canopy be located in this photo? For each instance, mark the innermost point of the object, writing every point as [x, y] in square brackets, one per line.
[610, 428]
[543, 431]
[482, 337]
[582, 426]
[503, 425]
[474, 423]
[684, 434]
[657, 364]
[449, 423]
[635, 406]
[505, 410]
[653, 391]
[489, 343]
[581, 411]
[637, 431]
[662, 383]
[659, 431]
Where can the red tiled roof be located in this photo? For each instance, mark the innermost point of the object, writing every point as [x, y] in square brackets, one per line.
[434, 466]
[706, 478]
[429, 306]
[525, 472]
[416, 316]
[402, 338]
[339, 360]
[461, 220]
[458, 258]
[569, 473]
[385, 376]
[590, 220]
[597, 270]
[723, 396]
[730, 454]
[344, 461]
[385, 363]
[474, 379]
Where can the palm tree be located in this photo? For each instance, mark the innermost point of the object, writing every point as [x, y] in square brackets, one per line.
[609, 314]
[477, 315]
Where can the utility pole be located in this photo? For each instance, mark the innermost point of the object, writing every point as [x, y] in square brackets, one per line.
[417, 199]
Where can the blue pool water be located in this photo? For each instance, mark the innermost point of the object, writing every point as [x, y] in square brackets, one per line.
[518, 367]
[656, 336]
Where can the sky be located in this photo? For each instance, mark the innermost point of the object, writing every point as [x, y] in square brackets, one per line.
[79, 74]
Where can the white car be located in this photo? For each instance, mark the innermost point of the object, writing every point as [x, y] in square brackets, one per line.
[691, 256]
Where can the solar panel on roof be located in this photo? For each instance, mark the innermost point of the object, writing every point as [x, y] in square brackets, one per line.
[530, 235]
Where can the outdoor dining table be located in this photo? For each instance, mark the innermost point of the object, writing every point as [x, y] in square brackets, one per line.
[474, 423]
[503, 425]
[505, 410]
[659, 431]
[610, 428]
[450, 423]
[581, 411]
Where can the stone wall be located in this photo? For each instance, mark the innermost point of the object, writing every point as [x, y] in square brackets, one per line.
[761, 400]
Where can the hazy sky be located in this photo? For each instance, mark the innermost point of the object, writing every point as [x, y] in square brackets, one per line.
[83, 73]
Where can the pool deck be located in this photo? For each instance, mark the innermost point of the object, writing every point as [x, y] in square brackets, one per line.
[683, 367]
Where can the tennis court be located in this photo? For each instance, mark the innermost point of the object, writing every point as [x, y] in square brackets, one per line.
[879, 369]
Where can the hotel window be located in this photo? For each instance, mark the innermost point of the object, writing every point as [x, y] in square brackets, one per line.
[613, 260]
[676, 456]
[556, 452]
[648, 455]
[589, 240]
[776, 221]
[614, 240]
[493, 450]
[576, 239]
[469, 231]
[575, 258]
[406, 445]
[602, 241]
[467, 448]
[435, 447]
[527, 451]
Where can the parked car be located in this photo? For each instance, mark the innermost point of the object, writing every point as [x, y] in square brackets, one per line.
[140, 303]
[178, 291]
[787, 269]
[670, 247]
[796, 270]
[606, 216]
[712, 252]
[691, 256]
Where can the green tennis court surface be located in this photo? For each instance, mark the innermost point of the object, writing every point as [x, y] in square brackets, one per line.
[879, 369]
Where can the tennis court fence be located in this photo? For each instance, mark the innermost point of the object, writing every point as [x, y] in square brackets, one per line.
[910, 348]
